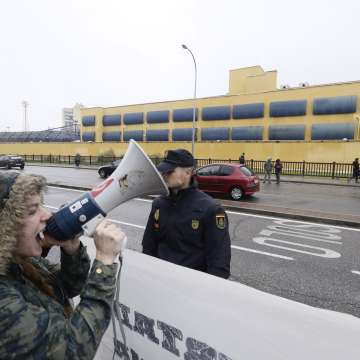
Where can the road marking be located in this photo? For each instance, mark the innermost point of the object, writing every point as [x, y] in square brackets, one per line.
[355, 272]
[262, 252]
[127, 224]
[112, 220]
[267, 232]
[233, 246]
[51, 207]
[297, 221]
[327, 253]
[67, 189]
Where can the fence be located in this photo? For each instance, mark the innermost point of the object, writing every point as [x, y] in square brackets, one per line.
[294, 168]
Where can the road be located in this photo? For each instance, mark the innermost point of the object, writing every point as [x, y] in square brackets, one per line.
[310, 263]
[328, 198]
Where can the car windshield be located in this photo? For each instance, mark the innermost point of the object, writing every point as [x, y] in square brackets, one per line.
[246, 171]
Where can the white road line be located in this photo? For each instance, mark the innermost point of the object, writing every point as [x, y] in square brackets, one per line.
[233, 246]
[262, 252]
[127, 224]
[61, 188]
[51, 207]
[112, 220]
[251, 215]
[355, 272]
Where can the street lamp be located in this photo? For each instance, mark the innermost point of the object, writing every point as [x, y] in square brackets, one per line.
[25, 104]
[194, 108]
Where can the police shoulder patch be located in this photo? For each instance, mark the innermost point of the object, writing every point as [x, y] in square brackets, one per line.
[157, 215]
[220, 221]
[195, 224]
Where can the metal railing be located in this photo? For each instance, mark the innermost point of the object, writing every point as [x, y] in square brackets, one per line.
[293, 168]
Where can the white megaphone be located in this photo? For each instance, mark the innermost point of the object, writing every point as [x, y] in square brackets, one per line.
[135, 176]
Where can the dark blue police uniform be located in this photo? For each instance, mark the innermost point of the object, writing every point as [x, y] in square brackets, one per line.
[190, 229]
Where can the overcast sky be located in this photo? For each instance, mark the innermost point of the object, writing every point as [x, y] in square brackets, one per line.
[55, 53]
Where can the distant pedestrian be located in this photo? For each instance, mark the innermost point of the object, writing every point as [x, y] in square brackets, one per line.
[77, 160]
[356, 170]
[242, 159]
[278, 170]
[268, 169]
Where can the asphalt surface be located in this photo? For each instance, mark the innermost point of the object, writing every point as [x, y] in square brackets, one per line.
[310, 263]
[314, 264]
[323, 200]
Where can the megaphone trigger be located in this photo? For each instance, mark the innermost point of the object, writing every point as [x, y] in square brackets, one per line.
[90, 227]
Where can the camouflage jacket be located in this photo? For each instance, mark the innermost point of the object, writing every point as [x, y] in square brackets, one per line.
[33, 325]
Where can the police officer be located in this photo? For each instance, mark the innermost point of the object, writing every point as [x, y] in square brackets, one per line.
[188, 227]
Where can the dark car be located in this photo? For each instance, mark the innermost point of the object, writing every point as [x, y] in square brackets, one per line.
[233, 180]
[10, 161]
[107, 170]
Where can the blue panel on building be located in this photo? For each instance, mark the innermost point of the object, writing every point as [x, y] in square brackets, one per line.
[335, 105]
[157, 135]
[334, 131]
[247, 133]
[134, 118]
[137, 135]
[181, 115]
[215, 134]
[288, 108]
[111, 136]
[184, 134]
[88, 120]
[216, 113]
[109, 120]
[286, 132]
[88, 136]
[248, 111]
[153, 117]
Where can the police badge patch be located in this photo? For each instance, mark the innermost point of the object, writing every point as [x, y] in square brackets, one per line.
[157, 215]
[220, 221]
[195, 224]
[156, 219]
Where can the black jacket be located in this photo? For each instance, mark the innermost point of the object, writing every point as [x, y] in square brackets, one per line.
[189, 229]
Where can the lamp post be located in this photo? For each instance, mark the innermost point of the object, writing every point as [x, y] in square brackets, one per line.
[25, 104]
[194, 108]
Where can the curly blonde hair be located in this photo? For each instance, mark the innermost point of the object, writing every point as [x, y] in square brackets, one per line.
[13, 213]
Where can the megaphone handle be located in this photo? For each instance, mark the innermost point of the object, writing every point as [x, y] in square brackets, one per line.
[90, 226]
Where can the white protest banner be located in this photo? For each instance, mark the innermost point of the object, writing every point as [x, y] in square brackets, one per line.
[171, 312]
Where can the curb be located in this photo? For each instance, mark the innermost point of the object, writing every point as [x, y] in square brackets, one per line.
[271, 213]
[315, 183]
[295, 216]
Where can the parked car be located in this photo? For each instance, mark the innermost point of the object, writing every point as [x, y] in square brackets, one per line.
[10, 161]
[234, 180]
[106, 170]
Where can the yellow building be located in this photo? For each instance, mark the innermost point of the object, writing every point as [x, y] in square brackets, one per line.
[318, 123]
[312, 123]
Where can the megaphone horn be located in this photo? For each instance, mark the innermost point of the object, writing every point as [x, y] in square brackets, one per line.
[135, 176]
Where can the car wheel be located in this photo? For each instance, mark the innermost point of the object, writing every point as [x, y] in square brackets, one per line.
[22, 167]
[9, 166]
[236, 193]
[102, 173]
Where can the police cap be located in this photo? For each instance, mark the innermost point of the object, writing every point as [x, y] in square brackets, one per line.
[176, 158]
